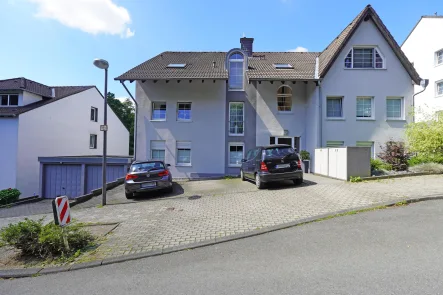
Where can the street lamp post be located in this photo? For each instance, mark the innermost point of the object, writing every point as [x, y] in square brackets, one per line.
[104, 65]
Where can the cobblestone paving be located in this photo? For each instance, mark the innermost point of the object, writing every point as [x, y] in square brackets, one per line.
[163, 223]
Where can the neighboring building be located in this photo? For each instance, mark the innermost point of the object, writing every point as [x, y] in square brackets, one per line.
[43, 121]
[425, 51]
[201, 111]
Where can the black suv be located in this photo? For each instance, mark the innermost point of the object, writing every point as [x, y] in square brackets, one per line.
[272, 163]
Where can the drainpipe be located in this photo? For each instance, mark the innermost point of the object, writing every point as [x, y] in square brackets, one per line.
[135, 119]
[424, 83]
[320, 126]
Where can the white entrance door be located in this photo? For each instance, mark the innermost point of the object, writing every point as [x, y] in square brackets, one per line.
[292, 141]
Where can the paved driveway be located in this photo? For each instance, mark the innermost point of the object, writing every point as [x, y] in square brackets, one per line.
[228, 207]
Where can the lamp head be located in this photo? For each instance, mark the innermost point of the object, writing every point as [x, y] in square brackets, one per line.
[101, 64]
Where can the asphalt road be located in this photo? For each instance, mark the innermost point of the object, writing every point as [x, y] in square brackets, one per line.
[391, 251]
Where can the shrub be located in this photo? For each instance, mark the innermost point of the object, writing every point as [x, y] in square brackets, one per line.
[9, 195]
[34, 238]
[305, 155]
[427, 168]
[355, 179]
[426, 137]
[394, 154]
[420, 159]
[376, 164]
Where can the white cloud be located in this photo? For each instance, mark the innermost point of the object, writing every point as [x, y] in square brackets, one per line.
[299, 49]
[90, 16]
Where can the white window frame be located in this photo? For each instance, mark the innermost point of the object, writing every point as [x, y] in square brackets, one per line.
[94, 143]
[242, 144]
[402, 110]
[436, 88]
[178, 109]
[342, 117]
[439, 53]
[229, 70]
[9, 100]
[375, 51]
[158, 145]
[372, 117]
[286, 95]
[152, 111]
[229, 121]
[183, 145]
[95, 114]
[367, 144]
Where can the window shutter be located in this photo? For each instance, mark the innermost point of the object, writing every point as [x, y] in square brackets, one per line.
[157, 144]
[183, 144]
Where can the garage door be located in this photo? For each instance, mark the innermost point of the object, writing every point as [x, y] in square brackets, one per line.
[94, 175]
[62, 180]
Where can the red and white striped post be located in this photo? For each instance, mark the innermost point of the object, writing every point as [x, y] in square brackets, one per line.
[62, 214]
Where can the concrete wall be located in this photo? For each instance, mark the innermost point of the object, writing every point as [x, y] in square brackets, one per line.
[28, 97]
[420, 48]
[270, 122]
[8, 155]
[62, 128]
[249, 98]
[206, 131]
[379, 83]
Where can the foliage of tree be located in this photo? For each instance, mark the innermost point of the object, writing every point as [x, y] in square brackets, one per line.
[394, 153]
[125, 111]
[426, 137]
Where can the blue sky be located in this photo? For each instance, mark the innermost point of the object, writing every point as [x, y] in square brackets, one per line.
[55, 41]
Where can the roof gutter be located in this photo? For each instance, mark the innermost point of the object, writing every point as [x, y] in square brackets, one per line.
[135, 118]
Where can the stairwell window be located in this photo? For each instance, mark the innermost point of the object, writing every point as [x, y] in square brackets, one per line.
[236, 118]
[439, 57]
[364, 58]
[93, 141]
[94, 114]
[236, 71]
[284, 99]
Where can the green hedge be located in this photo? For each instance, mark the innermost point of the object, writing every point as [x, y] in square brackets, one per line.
[9, 195]
[416, 160]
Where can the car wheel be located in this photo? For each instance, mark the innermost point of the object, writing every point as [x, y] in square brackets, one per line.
[298, 181]
[242, 176]
[258, 182]
[129, 195]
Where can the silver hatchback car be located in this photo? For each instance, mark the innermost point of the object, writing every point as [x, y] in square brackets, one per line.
[148, 176]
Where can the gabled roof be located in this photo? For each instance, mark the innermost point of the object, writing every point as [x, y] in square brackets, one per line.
[424, 16]
[24, 84]
[330, 54]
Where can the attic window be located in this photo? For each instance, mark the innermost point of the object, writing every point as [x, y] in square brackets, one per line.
[177, 66]
[283, 66]
[364, 58]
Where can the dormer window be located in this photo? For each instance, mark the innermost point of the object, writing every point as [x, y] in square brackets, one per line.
[236, 71]
[364, 58]
[8, 99]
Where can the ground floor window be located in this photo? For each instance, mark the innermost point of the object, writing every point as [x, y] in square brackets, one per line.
[333, 143]
[158, 150]
[236, 153]
[369, 144]
[183, 153]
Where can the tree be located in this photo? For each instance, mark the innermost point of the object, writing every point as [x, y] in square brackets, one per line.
[125, 111]
[426, 138]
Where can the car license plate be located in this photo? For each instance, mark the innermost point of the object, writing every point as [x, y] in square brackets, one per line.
[282, 166]
[149, 184]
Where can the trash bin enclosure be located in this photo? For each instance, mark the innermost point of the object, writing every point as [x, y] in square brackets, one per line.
[76, 176]
[343, 162]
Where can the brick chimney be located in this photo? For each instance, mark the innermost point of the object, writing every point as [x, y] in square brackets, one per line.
[246, 45]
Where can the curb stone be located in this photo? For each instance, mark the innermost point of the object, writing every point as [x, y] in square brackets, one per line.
[28, 272]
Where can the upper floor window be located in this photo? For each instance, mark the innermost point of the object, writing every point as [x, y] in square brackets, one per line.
[365, 108]
[439, 57]
[93, 141]
[94, 114]
[364, 58]
[236, 71]
[9, 99]
[236, 118]
[439, 88]
[158, 111]
[184, 111]
[334, 107]
[394, 108]
[284, 99]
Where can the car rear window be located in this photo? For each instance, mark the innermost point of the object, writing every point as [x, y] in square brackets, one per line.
[278, 152]
[143, 167]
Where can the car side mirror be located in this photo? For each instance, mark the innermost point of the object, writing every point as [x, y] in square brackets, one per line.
[243, 160]
[168, 165]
